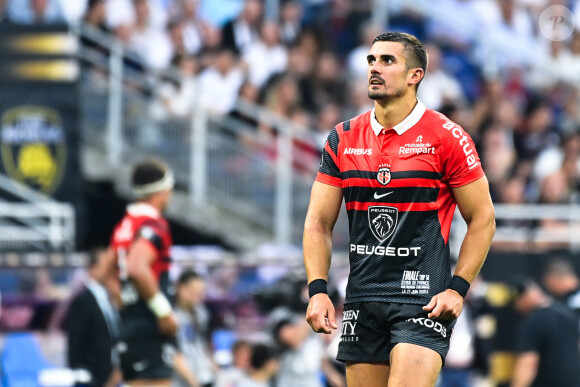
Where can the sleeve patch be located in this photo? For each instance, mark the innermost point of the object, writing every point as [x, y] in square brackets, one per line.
[149, 233]
[333, 141]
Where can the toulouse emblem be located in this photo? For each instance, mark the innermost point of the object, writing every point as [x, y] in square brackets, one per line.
[384, 174]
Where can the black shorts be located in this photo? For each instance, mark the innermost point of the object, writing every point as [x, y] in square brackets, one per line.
[144, 352]
[370, 330]
[150, 358]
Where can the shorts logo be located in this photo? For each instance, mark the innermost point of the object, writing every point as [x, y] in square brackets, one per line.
[384, 174]
[383, 221]
[428, 323]
[348, 325]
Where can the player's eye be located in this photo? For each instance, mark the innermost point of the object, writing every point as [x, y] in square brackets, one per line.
[388, 59]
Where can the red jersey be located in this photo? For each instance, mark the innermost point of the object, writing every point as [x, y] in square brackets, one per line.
[143, 221]
[397, 190]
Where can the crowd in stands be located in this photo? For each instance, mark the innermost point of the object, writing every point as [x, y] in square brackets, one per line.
[491, 69]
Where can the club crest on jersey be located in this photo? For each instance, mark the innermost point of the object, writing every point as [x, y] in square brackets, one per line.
[384, 174]
[383, 221]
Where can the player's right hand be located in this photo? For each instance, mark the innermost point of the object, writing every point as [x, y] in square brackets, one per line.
[168, 325]
[320, 314]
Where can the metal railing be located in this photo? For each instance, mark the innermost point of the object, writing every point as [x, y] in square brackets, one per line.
[264, 182]
[33, 222]
[259, 182]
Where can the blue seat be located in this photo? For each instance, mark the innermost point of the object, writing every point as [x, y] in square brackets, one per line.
[21, 360]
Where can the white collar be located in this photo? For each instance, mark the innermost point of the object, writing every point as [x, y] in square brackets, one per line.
[404, 125]
[142, 209]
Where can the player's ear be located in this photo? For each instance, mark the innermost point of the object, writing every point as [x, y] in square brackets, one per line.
[415, 75]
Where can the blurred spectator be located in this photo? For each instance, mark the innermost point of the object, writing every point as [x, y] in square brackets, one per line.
[357, 59]
[359, 100]
[552, 67]
[551, 159]
[575, 54]
[178, 96]
[548, 340]
[283, 96]
[37, 12]
[458, 23]
[300, 66]
[326, 119]
[241, 363]
[303, 357]
[4, 11]
[193, 35]
[220, 83]
[95, 15]
[561, 281]
[509, 30]
[149, 41]
[554, 189]
[93, 325]
[263, 367]
[290, 21]
[537, 131]
[124, 12]
[438, 88]
[193, 320]
[328, 81]
[266, 56]
[248, 93]
[239, 33]
[73, 10]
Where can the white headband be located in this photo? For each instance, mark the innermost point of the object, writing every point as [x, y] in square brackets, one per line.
[166, 182]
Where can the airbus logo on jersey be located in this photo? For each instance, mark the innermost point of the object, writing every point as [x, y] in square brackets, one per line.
[357, 151]
[458, 133]
[383, 221]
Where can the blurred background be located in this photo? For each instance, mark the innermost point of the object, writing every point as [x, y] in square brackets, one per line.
[238, 97]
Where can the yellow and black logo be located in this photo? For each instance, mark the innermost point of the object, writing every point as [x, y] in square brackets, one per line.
[33, 146]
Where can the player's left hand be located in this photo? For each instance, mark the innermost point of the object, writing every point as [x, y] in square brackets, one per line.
[446, 305]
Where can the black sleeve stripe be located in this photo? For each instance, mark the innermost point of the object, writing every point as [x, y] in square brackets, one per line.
[333, 141]
[346, 126]
[328, 166]
[152, 235]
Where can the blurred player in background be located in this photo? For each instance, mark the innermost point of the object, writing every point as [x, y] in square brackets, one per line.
[401, 169]
[141, 243]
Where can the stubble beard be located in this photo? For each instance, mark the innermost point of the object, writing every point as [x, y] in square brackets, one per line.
[383, 94]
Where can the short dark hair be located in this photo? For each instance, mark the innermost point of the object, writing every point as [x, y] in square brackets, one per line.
[261, 354]
[148, 171]
[186, 276]
[559, 266]
[411, 44]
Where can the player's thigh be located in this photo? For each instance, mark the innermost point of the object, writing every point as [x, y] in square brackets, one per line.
[367, 374]
[414, 366]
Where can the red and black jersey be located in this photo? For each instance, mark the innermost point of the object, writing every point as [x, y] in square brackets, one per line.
[397, 190]
[142, 221]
